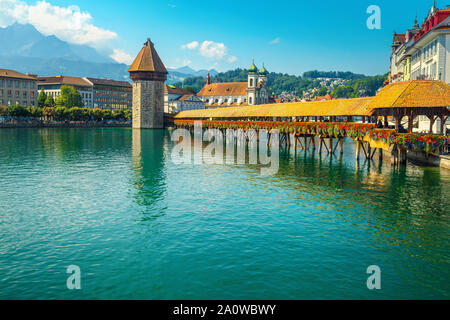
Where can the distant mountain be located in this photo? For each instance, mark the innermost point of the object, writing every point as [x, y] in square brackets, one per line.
[25, 41]
[180, 74]
[61, 66]
[29, 51]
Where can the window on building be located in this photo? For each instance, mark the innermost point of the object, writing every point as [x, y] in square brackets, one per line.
[31, 85]
[17, 93]
[251, 82]
[16, 84]
[1, 82]
[9, 83]
[250, 100]
[24, 84]
[1, 92]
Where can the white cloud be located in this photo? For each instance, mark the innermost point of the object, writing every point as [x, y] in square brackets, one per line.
[67, 23]
[186, 62]
[210, 49]
[191, 45]
[275, 41]
[121, 57]
[214, 50]
[232, 59]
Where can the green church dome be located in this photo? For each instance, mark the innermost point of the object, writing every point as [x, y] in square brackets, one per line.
[263, 71]
[253, 68]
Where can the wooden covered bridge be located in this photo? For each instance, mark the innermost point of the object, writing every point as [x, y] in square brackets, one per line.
[364, 120]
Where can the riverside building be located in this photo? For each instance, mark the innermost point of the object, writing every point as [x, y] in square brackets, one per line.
[52, 86]
[422, 52]
[177, 99]
[17, 88]
[111, 94]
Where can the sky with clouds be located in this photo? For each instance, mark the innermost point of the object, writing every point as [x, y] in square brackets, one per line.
[290, 36]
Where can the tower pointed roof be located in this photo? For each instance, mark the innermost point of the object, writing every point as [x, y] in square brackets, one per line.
[148, 60]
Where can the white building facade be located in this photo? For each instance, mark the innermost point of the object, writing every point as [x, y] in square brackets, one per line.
[423, 53]
[52, 86]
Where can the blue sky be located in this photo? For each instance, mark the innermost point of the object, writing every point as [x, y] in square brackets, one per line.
[290, 36]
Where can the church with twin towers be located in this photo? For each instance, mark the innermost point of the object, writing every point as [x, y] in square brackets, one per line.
[232, 94]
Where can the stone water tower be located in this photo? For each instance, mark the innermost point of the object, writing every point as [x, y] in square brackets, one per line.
[148, 74]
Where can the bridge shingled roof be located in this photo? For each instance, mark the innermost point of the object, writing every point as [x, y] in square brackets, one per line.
[408, 94]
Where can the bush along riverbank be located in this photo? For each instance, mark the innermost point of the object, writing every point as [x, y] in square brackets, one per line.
[60, 116]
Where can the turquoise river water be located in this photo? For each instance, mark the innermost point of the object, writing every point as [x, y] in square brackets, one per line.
[139, 226]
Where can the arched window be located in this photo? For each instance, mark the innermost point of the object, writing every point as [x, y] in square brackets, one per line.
[250, 100]
[251, 82]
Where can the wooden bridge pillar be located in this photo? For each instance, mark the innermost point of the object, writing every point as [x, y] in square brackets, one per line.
[402, 156]
[358, 149]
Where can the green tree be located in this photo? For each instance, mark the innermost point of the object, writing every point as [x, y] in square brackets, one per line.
[128, 114]
[107, 114]
[49, 112]
[49, 101]
[97, 113]
[190, 89]
[35, 112]
[117, 114]
[69, 97]
[41, 98]
[3, 111]
[61, 113]
[322, 91]
[75, 113]
[18, 111]
[86, 114]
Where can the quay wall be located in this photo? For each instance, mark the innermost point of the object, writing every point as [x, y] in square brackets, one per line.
[63, 125]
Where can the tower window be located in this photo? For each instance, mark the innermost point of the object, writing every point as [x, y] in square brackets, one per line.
[250, 100]
[251, 82]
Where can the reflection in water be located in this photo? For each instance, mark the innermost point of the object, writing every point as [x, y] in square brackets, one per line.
[148, 166]
[139, 226]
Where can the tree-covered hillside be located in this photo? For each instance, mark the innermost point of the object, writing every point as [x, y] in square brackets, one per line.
[354, 85]
[364, 87]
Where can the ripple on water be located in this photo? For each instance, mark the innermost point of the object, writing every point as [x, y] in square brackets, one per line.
[140, 226]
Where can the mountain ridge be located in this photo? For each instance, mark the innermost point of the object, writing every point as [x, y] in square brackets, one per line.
[29, 51]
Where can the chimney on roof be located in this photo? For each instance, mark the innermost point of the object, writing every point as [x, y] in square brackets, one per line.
[208, 79]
